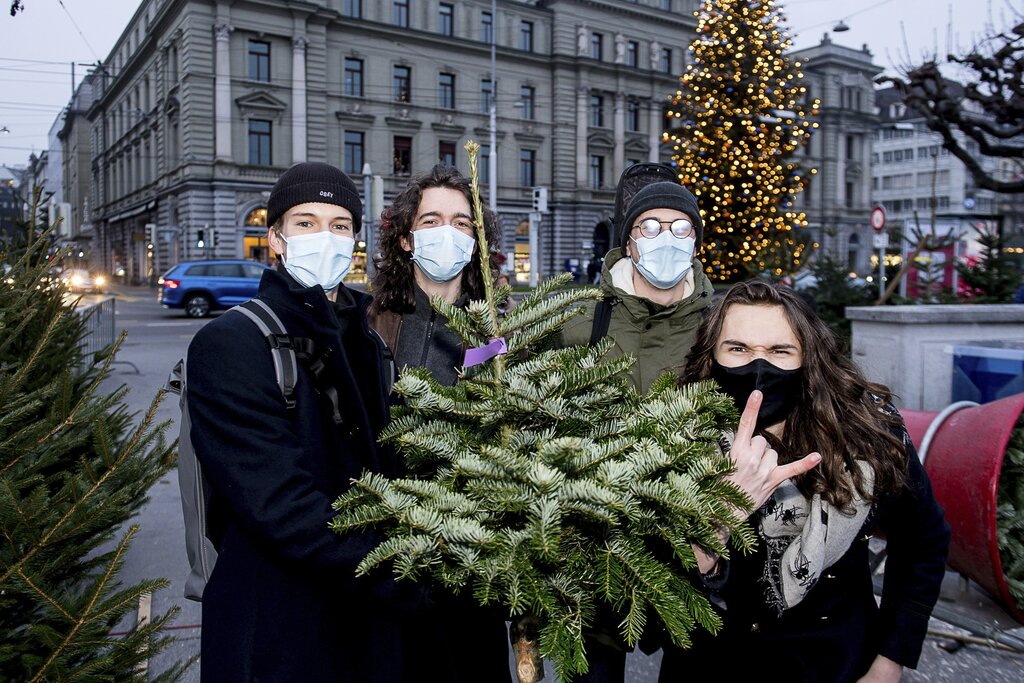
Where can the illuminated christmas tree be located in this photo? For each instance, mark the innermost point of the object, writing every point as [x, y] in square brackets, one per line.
[741, 114]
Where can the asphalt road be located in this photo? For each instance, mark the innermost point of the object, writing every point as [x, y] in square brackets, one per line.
[157, 338]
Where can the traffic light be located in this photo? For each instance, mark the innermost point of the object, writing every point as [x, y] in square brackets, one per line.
[540, 199]
[201, 238]
[213, 237]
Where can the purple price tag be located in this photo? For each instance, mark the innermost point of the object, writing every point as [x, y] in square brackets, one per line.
[476, 356]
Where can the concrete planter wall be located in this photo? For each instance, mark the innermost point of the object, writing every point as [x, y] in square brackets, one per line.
[910, 348]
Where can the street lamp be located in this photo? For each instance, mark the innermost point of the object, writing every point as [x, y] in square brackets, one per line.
[368, 218]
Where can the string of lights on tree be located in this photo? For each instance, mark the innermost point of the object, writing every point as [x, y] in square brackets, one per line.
[741, 113]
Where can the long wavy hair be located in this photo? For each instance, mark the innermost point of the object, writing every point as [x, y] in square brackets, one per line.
[841, 414]
[393, 282]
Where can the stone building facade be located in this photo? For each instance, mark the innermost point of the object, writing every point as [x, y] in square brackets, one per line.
[201, 105]
[838, 198]
[75, 135]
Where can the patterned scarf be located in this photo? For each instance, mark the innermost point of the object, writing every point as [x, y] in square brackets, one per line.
[805, 537]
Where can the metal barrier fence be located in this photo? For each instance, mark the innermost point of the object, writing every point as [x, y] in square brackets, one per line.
[99, 327]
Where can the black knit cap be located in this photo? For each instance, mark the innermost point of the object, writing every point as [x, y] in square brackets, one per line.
[312, 181]
[663, 195]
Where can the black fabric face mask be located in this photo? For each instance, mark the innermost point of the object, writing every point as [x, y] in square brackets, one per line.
[781, 388]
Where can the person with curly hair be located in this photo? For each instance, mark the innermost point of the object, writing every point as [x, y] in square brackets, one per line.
[801, 606]
[428, 248]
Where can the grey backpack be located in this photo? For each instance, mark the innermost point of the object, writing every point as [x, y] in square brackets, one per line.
[195, 491]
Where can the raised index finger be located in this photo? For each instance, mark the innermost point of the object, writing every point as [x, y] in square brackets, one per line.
[748, 420]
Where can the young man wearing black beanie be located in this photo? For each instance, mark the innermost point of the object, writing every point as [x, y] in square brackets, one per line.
[655, 288]
[655, 295]
[283, 602]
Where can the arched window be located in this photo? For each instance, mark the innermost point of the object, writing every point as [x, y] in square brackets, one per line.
[257, 218]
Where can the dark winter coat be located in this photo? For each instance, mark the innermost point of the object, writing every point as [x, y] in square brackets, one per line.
[421, 338]
[658, 337]
[283, 603]
[835, 633]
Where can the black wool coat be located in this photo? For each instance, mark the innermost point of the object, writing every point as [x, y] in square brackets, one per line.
[837, 630]
[283, 603]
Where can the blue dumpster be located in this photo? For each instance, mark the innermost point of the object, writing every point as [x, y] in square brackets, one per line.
[988, 371]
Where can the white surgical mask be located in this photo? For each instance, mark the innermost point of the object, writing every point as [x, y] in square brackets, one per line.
[441, 252]
[320, 258]
[665, 259]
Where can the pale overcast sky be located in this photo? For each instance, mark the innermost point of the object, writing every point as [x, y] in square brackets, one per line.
[38, 46]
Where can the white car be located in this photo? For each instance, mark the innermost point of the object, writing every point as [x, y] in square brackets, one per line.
[81, 280]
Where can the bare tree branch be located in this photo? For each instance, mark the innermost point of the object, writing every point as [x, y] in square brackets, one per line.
[988, 111]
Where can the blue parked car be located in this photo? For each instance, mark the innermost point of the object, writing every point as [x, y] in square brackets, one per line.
[199, 287]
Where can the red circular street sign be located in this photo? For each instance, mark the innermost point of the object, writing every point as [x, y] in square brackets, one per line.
[878, 218]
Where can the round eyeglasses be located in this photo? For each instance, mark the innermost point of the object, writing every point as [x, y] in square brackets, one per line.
[651, 227]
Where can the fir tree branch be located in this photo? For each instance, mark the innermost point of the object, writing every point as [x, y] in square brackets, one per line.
[82, 620]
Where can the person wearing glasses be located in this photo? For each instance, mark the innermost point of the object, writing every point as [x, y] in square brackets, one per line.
[655, 293]
[655, 289]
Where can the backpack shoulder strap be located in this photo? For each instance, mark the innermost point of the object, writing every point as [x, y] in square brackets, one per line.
[286, 367]
[602, 319]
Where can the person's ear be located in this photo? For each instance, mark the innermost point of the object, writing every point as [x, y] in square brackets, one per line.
[275, 241]
[405, 241]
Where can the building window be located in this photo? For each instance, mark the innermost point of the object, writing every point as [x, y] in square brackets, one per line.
[446, 153]
[484, 167]
[597, 111]
[402, 155]
[400, 13]
[445, 19]
[596, 172]
[852, 252]
[597, 46]
[666, 60]
[633, 116]
[259, 60]
[401, 83]
[666, 5]
[526, 36]
[632, 53]
[172, 64]
[527, 167]
[259, 142]
[486, 95]
[354, 152]
[353, 8]
[527, 101]
[851, 146]
[446, 91]
[353, 77]
[487, 27]
[850, 195]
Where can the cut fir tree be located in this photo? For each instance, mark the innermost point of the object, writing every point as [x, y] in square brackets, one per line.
[73, 470]
[542, 482]
[740, 114]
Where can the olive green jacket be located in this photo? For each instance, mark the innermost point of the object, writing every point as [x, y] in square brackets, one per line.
[658, 337]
